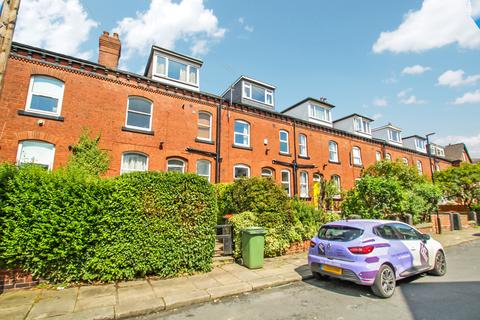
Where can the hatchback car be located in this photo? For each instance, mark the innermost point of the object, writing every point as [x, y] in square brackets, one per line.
[374, 253]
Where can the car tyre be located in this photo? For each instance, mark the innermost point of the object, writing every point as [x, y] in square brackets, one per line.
[319, 276]
[384, 285]
[440, 268]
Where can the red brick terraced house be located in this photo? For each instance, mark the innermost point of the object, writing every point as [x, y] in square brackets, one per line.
[161, 121]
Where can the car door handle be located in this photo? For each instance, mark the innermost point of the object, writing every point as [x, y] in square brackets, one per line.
[413, 249]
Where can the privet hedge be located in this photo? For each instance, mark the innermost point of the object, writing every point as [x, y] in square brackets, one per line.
[68, 226]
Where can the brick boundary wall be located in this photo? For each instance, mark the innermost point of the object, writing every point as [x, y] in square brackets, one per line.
[16, 279]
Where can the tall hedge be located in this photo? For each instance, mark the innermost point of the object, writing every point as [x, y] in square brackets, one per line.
[66, 226]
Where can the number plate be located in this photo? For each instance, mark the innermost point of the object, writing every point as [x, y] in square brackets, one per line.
[332, 269]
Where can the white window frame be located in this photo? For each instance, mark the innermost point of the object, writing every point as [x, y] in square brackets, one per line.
[302, 146]
[388, 156]
[184, 166]
[314, 112]
[361, 125]
[20, 149]
[356, 160]
[405, 161]
[420, 167]
[285, 182]
[440, 152]
[167, 62]
[241, 166]
[204, 126]
[420, 144]
[390, 135]
[283, 141]
[378, 156]
[304, 184]
[249, 96]
[124, 170]
[30, 93]
[338, 183]
[241, 133]
[138, 112]
[336, 158]
[271, 173]
[209, 169]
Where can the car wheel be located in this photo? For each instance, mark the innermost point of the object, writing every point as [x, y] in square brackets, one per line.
[319, 276]
[384, 285]
[440, 267]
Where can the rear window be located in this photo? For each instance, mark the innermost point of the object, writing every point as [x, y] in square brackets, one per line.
[339, 233]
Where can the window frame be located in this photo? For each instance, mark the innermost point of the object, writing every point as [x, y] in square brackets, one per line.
[313, 114]
[304, 184]
[288, 181]
[266, 93]
[390, 135]
[184, 167]
[139, 112]
[405, 161]
[21, 147]
[271, 175]
[361, 125]
[359, 163]
[209, 176]
[420, 144]
[333, 143]
[420, 167]
[167, 63]
[285, 142]
[337, 180]
[388, 157]
[303, 145]
[123, 170]
[209, 126]
[242, 134]
[30, 96]
[378, 156]
[242, 166]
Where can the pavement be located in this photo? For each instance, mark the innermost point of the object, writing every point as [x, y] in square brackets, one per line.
[146, 296]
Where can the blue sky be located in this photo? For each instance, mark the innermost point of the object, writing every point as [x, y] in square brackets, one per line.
[413, 63]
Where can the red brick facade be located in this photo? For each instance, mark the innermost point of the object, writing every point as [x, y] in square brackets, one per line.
[96, 97]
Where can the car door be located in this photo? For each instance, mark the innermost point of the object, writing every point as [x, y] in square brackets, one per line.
[412, 239]
[398, 254]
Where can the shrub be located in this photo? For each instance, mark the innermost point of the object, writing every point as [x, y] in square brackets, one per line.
[223, 192]
[88, 157]
[65, 226]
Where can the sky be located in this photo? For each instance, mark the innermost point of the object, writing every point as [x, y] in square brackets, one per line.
[414, 63]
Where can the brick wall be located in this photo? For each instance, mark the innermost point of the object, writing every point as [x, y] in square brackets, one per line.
[16, 279]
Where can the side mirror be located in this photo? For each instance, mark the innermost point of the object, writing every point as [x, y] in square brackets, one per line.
[425, 237]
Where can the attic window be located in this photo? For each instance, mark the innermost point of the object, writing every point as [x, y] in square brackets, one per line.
[169, 68]
[254, 92]
[361, 125]
[420, 144]
[394, 135]
[319, 113]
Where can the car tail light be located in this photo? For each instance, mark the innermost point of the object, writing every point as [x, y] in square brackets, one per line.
[361, 250]
[312, 244]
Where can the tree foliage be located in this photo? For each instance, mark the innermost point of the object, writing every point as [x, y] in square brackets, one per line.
[461, 183]
[87, 155]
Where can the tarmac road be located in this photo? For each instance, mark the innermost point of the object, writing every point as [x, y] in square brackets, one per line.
[452, 297]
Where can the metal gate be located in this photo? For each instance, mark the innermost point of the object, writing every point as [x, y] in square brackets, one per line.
[225, 238]
[456, 221]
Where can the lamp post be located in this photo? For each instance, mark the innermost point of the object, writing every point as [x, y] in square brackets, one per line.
[429, 153]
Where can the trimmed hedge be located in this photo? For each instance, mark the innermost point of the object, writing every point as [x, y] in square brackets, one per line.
[68, 226]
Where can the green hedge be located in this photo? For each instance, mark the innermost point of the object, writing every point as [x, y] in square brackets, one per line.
[67, 226]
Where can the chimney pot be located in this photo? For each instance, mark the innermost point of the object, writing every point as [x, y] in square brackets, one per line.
[109, 50]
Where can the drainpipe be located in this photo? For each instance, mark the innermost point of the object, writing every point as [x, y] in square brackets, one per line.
[218, 137]
[294, 164]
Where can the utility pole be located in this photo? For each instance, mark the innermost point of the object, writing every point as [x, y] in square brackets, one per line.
[8, 20]
[429, 152]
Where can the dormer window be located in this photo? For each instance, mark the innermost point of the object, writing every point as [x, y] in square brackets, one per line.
[361, 125]
[394, 135]
[420, 145]
[170, 68]
[317, 112]
[257, 93]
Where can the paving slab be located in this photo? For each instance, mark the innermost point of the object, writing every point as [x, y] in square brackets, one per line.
[163, 288]
[135, 293]
[93, 302]
[229, 290]
[205, 281]
[185, 298]
[267, 282]
[13, 313]
[18, 298]
[226, 278]
[96, 291]
[128, 309]
[54, 303]
[132, 283]
[103, 313]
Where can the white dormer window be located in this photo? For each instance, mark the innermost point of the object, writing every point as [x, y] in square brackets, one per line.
[361, 125]
[259, 94]
[394, 135]
[420, 144]
[175, 70]
[319, 113]
[440, 152]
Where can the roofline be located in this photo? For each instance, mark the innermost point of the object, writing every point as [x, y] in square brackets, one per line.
[353, 115]
[172, 53]
[264, 84]
[415, 136]
[218, 99]
[389, 125]
[464, 148]
[308, 99]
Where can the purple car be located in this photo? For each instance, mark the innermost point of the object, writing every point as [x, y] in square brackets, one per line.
[374, 253]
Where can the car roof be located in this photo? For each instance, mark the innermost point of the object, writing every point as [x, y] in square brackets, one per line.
[360, 223]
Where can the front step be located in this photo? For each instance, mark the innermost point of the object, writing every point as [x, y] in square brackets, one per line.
[222, 260]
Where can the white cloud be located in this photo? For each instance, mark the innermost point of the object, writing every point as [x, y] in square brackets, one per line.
[438, 23]
[403, 93]
[406, 98]
[416, 69]
[57, 25]
[472, 142]
[469, 97]
[249, 28]
[377, 116]
[167, 21]
[456, 78]
[380, 102]
[390, 80]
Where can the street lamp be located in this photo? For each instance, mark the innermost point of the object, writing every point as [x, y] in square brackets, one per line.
[429, 153]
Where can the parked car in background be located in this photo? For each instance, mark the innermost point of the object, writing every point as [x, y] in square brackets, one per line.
[374, 253]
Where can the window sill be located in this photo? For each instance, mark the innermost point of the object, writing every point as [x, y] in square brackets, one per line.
[334, 162]
[39, 115]
[204, 141]
[304, 157]
[242, 147]
[358, 166]
[150, 133]
[285, 154]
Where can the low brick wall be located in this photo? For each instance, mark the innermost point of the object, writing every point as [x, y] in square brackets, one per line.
[426, 227]
[298, 247]
[16, 279]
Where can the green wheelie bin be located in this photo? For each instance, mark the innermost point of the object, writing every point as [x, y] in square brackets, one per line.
[253, 242]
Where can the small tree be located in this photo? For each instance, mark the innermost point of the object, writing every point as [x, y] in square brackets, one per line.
[88, 157]
[461, 183]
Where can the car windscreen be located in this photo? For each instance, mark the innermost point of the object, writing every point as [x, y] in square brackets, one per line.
[339, 233]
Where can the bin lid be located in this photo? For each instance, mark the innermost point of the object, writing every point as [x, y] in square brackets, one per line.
[255, 230]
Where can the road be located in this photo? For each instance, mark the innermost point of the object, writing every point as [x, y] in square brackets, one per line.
[452, 297]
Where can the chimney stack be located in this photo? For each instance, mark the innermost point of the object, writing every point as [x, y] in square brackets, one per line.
[109, 50]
